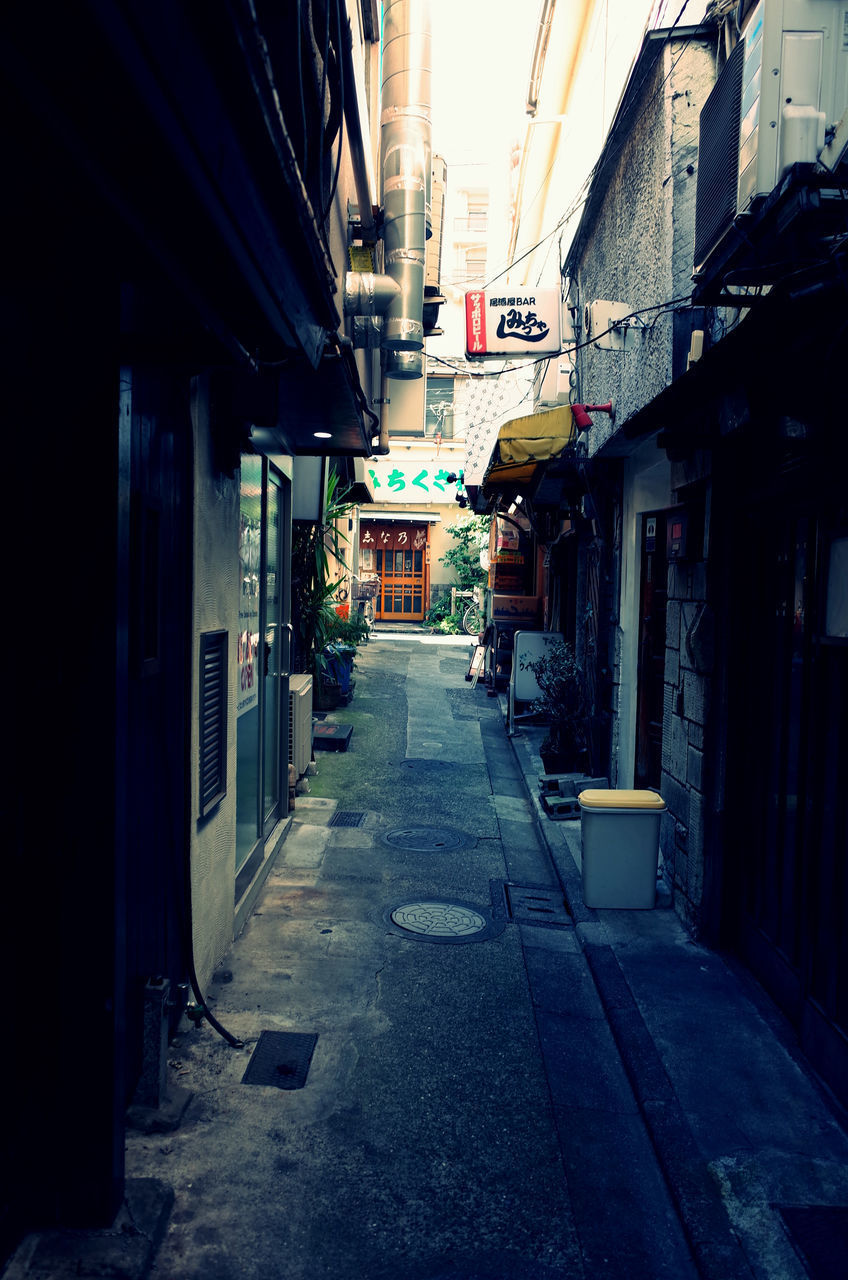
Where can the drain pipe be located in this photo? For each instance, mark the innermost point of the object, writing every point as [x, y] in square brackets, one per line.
[354, 134]
[406, 153]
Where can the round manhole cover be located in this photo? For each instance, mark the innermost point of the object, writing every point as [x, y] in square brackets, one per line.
[425, 839]
[446, 921]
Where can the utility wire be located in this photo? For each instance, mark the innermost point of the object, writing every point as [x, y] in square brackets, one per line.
[582, 194]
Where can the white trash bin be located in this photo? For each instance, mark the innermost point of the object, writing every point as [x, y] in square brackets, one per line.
[620, 834]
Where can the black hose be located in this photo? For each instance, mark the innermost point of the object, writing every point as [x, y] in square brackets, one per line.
[203, 1006]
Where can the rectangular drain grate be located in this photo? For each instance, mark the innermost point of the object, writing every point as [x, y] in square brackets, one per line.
[535, 904]
[281, 1059]
[346, 818]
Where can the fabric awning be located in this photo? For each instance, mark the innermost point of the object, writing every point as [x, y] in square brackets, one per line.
[410, 517]
[525, 445]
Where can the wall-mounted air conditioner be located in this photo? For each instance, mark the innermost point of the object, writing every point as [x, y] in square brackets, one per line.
[300, 723]
[556, 382]
[605, 324]
[780, 95]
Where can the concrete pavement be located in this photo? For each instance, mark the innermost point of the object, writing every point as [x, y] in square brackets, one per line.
[504, 1083]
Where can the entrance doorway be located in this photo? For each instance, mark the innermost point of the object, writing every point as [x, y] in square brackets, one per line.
[262, 661]
[399, 554]
[650, 676]
[787, 760]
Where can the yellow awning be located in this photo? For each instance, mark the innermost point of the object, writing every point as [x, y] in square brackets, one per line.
[524, 444]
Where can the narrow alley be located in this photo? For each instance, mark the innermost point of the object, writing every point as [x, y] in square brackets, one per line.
[529, 1089]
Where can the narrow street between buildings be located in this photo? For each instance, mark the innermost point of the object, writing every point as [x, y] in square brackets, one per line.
[481, 1078]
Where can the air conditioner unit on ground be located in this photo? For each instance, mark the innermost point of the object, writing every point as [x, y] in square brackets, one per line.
[300, 723]
[784, 87]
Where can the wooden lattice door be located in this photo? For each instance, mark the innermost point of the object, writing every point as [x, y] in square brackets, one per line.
[399, 556]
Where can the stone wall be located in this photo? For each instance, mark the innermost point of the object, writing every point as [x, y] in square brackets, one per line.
[688, 672]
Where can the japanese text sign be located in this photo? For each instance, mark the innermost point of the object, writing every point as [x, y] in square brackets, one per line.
[403, 481]
[510, 322]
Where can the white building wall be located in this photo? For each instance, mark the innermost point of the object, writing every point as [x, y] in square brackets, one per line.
[214, 606]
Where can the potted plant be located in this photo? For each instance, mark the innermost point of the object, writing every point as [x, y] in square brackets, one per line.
[344, 637]
[315, 588]
[562, 705]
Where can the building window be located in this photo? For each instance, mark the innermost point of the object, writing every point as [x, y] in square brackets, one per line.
[440, 408]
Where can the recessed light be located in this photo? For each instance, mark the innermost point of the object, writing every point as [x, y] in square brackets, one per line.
[323, 435]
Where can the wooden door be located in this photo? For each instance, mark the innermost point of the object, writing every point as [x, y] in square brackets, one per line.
[653, 592]
[400, 556]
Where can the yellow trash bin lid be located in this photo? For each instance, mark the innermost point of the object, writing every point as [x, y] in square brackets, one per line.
[611, 798]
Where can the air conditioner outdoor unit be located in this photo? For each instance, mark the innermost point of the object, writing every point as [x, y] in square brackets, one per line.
[556, 383]
[300, 723]
[783, 87]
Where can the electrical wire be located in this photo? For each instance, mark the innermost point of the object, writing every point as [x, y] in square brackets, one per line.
[574, 347]
[582, 194]
[303, 112]
[335, 182]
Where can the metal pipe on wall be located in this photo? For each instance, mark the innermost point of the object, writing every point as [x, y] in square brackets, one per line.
[354, 136]
[406, 157]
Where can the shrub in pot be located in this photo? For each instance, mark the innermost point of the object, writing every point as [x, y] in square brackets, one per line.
[562, 705]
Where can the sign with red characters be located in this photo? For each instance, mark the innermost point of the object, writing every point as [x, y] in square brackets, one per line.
[501, 322]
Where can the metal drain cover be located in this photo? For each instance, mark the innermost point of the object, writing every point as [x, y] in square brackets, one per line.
[426, 839]
[536, 904]
[281, 1059]
[346, 818]
[431, 920]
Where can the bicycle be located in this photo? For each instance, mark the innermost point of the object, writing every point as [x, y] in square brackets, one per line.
[364, 590]
[473, 618]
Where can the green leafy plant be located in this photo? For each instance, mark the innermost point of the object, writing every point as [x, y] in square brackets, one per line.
[314, 587]
[440, 618]
[561, 703]
[470, 537]
[352, 630]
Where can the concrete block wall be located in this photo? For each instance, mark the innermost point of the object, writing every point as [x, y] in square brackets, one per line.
[688, 687]
[627, 259]
[641, 248]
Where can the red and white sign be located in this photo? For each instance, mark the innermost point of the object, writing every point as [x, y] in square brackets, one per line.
[501, 322]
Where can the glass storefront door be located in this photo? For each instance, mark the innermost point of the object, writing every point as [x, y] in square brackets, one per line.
[262, 659]
[276, 666]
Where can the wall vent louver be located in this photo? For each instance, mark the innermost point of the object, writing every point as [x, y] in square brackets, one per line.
[213, 719]
[718, 158]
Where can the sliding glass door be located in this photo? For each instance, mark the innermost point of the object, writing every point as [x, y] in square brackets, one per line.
[262, 660]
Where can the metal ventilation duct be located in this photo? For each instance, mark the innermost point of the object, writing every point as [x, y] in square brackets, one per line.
[406, 155]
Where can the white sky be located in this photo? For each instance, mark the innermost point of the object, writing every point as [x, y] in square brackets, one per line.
[481, 53]
[481, 65]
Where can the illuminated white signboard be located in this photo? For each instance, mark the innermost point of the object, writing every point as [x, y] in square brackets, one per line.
[512, 322]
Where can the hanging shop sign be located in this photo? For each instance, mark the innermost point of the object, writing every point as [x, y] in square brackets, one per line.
[512, 322]
[418, 481]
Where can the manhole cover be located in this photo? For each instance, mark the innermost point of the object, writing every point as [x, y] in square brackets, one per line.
[425, 839]
[439, 921]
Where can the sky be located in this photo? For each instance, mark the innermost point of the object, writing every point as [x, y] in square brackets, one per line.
[481, 59]
[482, 51]
[481, 65]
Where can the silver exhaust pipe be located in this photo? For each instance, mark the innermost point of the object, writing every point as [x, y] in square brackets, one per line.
[406, 157]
